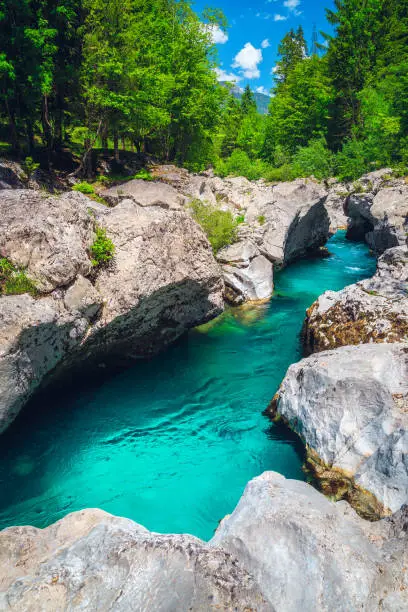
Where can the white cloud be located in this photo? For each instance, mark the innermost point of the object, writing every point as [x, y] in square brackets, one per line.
[219, 37]
[261, 89]
[227, 77]
[265, 44]
[292, 6]
[278, 17]
[274, 70]
[247, 61]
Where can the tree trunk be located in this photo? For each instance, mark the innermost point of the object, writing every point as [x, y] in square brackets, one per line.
[116, 145]
[47, 130]
[123, 143]
[15, 144]
[30, 137]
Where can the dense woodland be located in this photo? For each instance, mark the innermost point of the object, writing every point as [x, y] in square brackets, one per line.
[82, 75]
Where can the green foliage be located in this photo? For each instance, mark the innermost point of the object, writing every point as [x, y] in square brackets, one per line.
[29, 167]
[103, 249]
[14, 281]
[239, 164]
[219, 225]
[314, 159]
[351, 161]
[240, 219]
[144, 175]
[84, 188]
[261, 220]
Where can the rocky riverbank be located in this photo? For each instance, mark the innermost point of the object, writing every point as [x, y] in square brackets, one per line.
[350, 405]
[285, 547]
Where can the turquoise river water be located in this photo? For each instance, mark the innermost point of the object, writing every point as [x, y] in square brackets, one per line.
[172, 441]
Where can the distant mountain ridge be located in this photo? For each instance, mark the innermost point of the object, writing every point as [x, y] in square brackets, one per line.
[262, 101]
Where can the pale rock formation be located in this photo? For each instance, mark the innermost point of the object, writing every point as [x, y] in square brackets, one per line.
[163, 281]
[350, 407]
[285, 548]
[373, 310]
[248, 275]
[145, 193]
[93, 561]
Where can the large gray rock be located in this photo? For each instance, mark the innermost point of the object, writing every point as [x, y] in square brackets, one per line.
[49, 236]
[308, 554]
[285, 221]
[350, 407]
[145, 193]
[285, 548]
[248, 275]
[93, 561]
[163, 281]
[380, 217]
[373, 310]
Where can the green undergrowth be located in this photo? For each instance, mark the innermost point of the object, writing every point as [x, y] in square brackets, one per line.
[219, 225]
[13, 280]
[103, 249]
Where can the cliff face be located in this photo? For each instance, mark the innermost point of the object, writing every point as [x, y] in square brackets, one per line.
[162, 281]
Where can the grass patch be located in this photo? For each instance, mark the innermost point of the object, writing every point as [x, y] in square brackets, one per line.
[219, 225]
[103, 249]
[261, 220]
[143, 175]
[14, 281]
[85, 188]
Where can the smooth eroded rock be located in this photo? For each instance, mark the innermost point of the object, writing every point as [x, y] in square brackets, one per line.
[162, 281]
[350, 407]
[373, 310]
[308, 553]
[48, 236]
[94, 561]
[145, 193]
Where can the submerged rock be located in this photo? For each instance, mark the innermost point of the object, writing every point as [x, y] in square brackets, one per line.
[373, 310]
[350, 407]
[163, 281]
[285, 548]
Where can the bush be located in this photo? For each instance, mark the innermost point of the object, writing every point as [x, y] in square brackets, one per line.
[315, 159]
[103, 249]
[84, 188]
[350, 162]
[261, 220]
[219, 225]
[144, 175]
[239, 164]
[283, 173]
[14, 281]
[29, 166]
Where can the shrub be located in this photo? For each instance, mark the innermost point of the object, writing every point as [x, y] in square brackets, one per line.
[350, 162]
[103, 249]
[29, 166]
[144, 175]
[239, 164]
[84, 188]
[315, 159]
[240, 219]
[219, 225]
[261, 220]
[283, 173]
[14, 281]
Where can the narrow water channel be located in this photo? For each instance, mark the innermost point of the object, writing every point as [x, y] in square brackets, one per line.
[172, 442]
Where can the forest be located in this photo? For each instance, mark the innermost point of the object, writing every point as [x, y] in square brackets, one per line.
[139, 75]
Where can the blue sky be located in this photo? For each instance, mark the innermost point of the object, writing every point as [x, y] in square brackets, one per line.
[248, 50]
